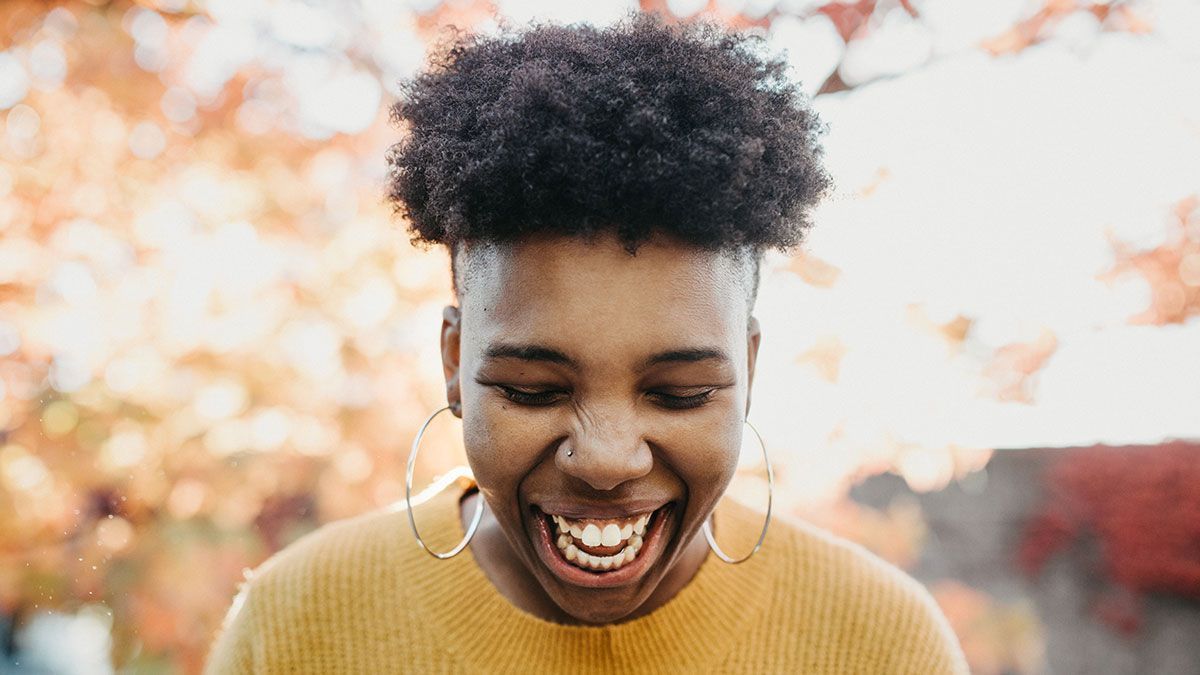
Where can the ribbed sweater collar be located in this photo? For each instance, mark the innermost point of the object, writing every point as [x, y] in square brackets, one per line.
[693, 629]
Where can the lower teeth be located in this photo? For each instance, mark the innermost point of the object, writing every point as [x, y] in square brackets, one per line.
[600, 562]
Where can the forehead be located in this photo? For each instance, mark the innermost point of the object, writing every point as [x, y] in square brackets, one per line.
[596, 299]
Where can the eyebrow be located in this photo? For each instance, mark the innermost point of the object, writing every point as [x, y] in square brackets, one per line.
[691, 355]
[536, 352]
[529, 352]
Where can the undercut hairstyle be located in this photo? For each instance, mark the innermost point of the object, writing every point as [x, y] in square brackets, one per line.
[635, 128]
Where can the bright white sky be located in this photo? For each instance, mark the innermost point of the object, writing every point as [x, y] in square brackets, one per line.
[1003, 175]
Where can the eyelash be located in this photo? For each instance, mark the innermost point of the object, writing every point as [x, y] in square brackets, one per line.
[543, 398]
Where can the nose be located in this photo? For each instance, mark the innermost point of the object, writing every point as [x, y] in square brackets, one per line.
[605, 453]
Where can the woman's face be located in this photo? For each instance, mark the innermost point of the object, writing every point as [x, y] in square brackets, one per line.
[602, 398]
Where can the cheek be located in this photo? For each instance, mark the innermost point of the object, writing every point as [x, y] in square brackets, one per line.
[705, 456]
[502, 447]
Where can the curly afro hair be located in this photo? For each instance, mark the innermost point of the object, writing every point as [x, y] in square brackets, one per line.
[637, 127]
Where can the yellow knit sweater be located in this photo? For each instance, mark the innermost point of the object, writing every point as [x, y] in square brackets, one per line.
[358, 596]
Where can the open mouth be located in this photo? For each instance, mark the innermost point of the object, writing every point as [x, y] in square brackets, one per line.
[600, 552]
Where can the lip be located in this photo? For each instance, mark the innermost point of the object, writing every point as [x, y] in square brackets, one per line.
[577, 510]
[652, 548]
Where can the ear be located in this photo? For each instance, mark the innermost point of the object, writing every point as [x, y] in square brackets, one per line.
[753, 337]
[451, 334]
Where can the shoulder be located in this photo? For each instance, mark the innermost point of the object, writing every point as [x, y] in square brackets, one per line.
[315, 595]
[855, 597]
[339, 551]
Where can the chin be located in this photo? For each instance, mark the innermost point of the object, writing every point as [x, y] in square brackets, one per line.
[599, 613]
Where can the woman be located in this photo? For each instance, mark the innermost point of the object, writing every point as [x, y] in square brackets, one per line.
[606, 196]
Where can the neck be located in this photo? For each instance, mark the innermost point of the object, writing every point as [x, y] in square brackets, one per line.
[505, 570]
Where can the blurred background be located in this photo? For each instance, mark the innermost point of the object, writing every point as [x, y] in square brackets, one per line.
[984, 366]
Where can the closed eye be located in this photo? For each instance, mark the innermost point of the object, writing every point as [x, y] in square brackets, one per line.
[534, 398]
[684, 402]
[548, 397]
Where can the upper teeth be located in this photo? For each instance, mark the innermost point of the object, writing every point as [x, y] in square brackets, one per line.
[600, 532]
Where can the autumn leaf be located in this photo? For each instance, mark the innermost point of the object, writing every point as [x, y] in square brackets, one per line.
[813, 270]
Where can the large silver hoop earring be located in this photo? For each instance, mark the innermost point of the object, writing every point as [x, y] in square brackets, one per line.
[712, 543]
[408, 478]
